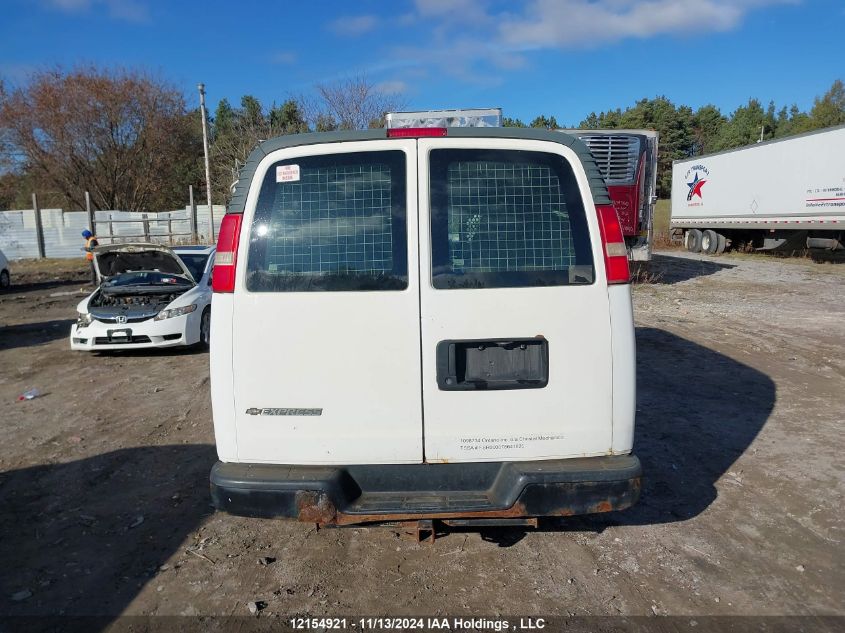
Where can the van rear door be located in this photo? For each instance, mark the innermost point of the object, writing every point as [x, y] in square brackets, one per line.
[326, 347]
[514, 305]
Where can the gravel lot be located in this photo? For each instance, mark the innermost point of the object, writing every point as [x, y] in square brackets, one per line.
[103, 479]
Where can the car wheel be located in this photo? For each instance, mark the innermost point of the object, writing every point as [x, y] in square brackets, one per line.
[5, 282]
[709, 242]
[205, 328]
[723, 244]
[692, 240]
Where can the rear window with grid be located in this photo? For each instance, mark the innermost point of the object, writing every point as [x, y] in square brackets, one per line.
[506, 218]
[335, 222]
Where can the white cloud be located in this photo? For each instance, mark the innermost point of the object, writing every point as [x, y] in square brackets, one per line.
[570, 23]
[392, 87]
[481, 40]
[453, 10]
[354, 25]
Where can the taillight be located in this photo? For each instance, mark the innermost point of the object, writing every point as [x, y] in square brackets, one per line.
[226, 257]
[613, 245]
[413, 132]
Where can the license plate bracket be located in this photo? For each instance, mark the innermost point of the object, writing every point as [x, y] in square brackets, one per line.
[481, 364]
[123, 335]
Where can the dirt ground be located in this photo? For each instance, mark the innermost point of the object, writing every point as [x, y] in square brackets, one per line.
[105, 504]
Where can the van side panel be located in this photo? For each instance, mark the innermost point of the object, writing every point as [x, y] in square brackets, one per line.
[221, 379]
[624, 367]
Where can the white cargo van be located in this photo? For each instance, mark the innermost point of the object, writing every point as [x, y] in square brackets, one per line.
[422, 323]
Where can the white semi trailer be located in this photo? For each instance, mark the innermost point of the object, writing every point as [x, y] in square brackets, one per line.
[787, 193]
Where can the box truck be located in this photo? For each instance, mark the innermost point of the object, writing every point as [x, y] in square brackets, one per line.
[786, 194]
[627, 160]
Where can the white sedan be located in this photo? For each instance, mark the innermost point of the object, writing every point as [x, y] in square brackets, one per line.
[149, 296]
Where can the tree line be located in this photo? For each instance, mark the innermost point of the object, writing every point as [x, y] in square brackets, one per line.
[131, 140]
[685, 132]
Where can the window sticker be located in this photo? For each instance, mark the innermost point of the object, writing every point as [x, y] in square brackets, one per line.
[287, 173]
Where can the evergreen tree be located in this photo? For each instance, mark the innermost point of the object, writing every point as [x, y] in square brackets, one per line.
[224, 117]
[509, 122]
[791, 121]
[546, 123]
[829, 110]
[744, 127]
[706, 125]
[288, 118]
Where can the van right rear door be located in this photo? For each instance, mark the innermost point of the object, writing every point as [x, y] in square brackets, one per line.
[515, 322]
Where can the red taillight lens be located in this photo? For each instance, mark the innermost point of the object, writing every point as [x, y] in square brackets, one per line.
[613, 245]
[226, 258]
[413, 132]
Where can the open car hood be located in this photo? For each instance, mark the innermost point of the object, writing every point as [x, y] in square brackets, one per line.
[116, 259]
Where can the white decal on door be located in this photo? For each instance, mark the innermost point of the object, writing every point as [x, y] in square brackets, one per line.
[504, 443]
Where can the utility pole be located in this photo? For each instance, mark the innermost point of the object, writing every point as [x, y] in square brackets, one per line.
[201, 88]
[39, 227]
[92, 225]
[194, 236]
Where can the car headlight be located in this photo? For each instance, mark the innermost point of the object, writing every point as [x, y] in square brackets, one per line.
[175, 312]
[83, 319]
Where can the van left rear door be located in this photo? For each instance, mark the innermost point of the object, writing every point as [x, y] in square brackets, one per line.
[326, 348]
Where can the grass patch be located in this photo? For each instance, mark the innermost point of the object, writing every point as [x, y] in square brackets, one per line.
[660, 226]
[662, 216]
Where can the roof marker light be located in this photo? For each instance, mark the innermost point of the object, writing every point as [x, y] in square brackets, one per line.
[414, 132]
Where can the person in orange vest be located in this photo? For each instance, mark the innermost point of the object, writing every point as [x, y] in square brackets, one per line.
[90, 244]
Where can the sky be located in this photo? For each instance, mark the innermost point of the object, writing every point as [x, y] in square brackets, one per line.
[565, 58]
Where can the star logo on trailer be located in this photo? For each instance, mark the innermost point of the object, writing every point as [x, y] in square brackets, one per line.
[695, 186]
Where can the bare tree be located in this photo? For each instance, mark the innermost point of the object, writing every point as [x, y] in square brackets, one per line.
[7, 152]
[350, 104]
[122, 135]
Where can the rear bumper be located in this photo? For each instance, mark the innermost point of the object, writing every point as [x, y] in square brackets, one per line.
[343, 495]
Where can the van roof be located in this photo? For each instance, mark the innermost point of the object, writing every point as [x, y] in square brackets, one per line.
[597, 184]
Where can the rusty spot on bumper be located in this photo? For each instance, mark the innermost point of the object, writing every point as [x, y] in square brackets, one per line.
[315, 507]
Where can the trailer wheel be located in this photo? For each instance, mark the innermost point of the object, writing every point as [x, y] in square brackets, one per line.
[723, 244]
[709, 242]
[692, 240]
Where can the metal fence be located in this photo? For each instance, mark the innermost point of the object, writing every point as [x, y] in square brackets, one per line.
[60, 231]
